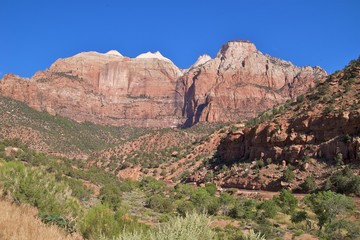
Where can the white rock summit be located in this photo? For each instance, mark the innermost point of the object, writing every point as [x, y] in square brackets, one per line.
[156, 55]
[201, 60]
[114, 52]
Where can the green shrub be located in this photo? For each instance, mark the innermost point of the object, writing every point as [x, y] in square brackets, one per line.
[60, 221]
[39, 189]
[160, 203]
[328, 205]
[251, 235]
[210, 188]
[99, 221]
[288, 175]
[185, 207]
[244, 209]
[286, 201]
[309, 184]
[192, 226]
[299, 216]
[268, 208]
[111, 196]
[344, 181]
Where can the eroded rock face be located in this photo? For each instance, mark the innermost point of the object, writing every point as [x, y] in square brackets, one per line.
[241, 82]
[103, 88]
[150, 91]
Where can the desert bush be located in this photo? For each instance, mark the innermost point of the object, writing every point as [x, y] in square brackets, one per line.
[99, 221]
[244, 209]
[210, 188]
[39, 189]
[184, 207]
[111, 196]
[288, 175]
[299, 216]
[344, 181]
[160, 203]
[192, 226]
[286, 201]
[328, 206]
[309, 184]
[251, 235]
[268, 209]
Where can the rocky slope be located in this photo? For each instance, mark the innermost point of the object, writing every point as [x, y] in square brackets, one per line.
[314, 134]
[150, 91]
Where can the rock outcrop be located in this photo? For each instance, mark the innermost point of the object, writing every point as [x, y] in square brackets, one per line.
[150, 91]
[104, 88]
[241, 82]
[324, 124]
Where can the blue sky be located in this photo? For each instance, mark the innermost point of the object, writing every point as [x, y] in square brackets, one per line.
[33, 34]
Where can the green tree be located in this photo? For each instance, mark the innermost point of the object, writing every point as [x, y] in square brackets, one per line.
[328, 205]
[286, 201]
[268, 208]
[210, 188]
[110, 195]
[99, 221]
[299, 216]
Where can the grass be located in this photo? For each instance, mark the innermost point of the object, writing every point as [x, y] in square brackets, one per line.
[18, 222]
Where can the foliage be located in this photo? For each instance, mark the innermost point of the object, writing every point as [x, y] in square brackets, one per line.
[244, 209]
[210, 188]
[192, 226]
[342, 229]
[328, 205]
[288, 175]
[299, 216]
[111, 196]
[60, 221]
[97, 221]
[268, 208]
[344, 181]
[254, 236]
[100, 222]
[38, 188]
[160, 203]
[309, 184]
[286, 201]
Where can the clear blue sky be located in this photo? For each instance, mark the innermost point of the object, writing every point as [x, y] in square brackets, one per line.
[33, 34]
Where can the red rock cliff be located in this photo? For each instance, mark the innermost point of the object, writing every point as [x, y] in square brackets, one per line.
[150, 91]
[241, 82]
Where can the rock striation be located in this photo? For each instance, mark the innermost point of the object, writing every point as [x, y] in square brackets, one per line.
[103, 88]
[324, 124]
[151, 91]
[241, 82]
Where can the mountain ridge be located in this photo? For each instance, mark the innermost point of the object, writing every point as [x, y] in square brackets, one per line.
[151, 91]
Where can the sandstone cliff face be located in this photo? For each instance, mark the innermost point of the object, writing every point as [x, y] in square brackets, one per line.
[150, 91]
[325, 125]
[241, 82]
[103, 88]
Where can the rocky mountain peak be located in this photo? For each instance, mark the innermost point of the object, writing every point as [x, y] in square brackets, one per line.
[237, 49]
[151, 91]
[113, 52]
[155, 55]
[201, 60]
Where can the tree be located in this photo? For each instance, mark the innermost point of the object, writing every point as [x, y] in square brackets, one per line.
[286, 201]
[210, 188]
[268, 208]
[299, 216]
[328, 205]
[111, 195]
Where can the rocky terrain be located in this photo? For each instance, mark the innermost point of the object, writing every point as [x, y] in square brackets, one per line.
[150, 91]
[309, 137]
